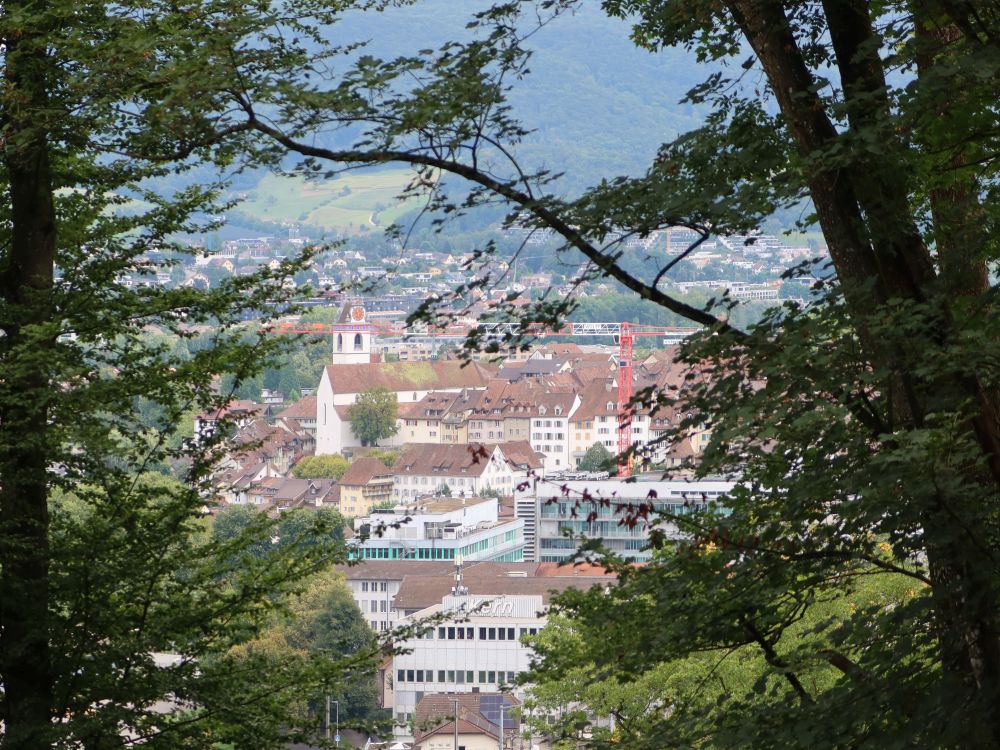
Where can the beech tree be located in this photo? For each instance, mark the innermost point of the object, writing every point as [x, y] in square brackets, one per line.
[104, 567]
[864, 425]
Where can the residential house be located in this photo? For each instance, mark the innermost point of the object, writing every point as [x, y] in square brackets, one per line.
[420, 422]
[478, 716]
[232, 484]
[466, 470]
[277, 446]
[367, 483]
[237, 413]
[550, 428]
[303, 412]
[595, 420]
[277, 494]
[535, 410]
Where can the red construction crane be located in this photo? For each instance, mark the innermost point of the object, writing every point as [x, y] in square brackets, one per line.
[625, 401]
[625, 332]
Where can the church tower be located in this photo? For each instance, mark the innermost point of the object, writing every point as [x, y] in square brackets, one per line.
[352, 336]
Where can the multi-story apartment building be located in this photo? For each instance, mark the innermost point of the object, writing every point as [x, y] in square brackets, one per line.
[595, 420]
[533, 410]
[504, 410]
[439, 417]
[303, 412]
[550, 434]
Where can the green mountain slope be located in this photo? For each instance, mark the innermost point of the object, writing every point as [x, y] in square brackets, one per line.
[597, 106]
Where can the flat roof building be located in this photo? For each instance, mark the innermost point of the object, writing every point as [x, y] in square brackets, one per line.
[477, 644]
[593, 508]
[440, 528]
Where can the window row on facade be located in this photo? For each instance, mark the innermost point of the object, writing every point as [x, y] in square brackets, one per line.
[452, 633]
[454, 677]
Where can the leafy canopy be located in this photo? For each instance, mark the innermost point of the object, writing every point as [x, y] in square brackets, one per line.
[320, 467]
[373, 416]
[597, 458]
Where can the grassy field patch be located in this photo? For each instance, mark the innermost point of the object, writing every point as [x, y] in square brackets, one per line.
[346, 203]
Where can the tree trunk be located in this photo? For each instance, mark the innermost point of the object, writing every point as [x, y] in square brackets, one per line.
[879, 255]
[26, 279]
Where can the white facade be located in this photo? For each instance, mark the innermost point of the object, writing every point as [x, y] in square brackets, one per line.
[375, 600]
[607, 432]
[480, 648]
[549, 435]
[495, 474]
[352, 337]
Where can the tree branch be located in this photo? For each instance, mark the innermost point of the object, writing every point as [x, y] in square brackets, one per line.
[772, 658]
[546, 215]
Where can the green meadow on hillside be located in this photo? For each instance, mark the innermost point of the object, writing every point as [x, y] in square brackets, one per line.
[346, 203]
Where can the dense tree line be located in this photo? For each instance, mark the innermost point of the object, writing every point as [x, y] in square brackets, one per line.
[863, 426]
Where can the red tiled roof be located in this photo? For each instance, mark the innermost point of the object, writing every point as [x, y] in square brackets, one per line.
[681, 450]
[280, 490]
[240, 406]
[487, 578]
[437, 405]
[408, 376]
[561, 349]
[524, 399]
[304, 408]
[394, 570]
[595, 399]
[574, 570]
[466, 725]
[436, 712]
[521, 454]
[363, 470]
[427, 459]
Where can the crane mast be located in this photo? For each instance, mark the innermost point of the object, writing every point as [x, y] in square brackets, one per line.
[625, 401]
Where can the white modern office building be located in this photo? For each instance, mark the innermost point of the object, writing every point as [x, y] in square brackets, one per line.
[477, 648]
[439, 529]
[557, 513]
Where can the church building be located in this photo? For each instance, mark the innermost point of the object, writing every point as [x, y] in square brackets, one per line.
[352, 373]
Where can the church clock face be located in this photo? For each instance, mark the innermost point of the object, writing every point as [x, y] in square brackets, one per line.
[357, 314]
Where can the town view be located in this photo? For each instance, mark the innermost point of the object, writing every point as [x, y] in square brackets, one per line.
[530, 375]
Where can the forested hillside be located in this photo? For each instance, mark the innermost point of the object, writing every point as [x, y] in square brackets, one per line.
[596, 104]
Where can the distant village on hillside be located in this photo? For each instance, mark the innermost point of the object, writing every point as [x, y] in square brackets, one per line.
[750, 267]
